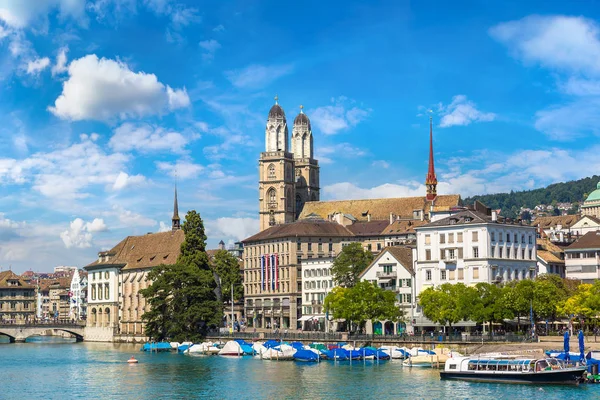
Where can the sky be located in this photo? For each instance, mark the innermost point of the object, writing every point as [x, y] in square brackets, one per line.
[106, 104]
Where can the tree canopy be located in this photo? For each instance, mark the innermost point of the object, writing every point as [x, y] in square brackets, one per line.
[362, 302]
[226, 266]
[183, 296]
[348, 265]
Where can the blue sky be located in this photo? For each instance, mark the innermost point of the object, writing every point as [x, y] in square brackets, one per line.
[103, 102]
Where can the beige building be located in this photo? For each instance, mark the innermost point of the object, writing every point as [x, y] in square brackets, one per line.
[17, 299]
[115, 306]
[582, 258]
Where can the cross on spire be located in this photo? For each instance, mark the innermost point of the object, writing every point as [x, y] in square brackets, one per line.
[276, 99]
[301, 108]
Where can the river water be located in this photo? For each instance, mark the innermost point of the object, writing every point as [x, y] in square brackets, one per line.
[55, 369]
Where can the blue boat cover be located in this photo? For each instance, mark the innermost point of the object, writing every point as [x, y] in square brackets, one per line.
[297, 345]
[242, 342]
[581, 346]
[160, 346]
[305, 355]
[339, 354]
[246, 348]
[566, 341]
[271, 343]
[183, 348]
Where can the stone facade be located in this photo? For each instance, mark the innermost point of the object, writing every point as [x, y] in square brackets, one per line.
[287, 180]
[17, 299]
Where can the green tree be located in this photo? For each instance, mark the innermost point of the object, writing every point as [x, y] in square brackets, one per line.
[362, 302]
[489, 306]
[183, 296]
[348, 265]
[226, 266]
[448, 303]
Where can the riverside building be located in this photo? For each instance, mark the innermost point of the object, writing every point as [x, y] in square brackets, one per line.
[296, 227]
[582, 258]
[115, 305]
[17, 299]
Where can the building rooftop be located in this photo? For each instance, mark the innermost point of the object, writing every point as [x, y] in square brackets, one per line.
[368, 228]
[6, 277]
[302, 228]
[399, 227]
[378, 209]
[145, 251]
[590, 240]
[401, 253]
[566, 221]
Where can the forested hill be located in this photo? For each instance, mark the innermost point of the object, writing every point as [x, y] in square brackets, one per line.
[564, 192]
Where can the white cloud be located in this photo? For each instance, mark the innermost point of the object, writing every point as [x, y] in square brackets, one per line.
[462, 112]
[79, 233]
[125, 180]
[21, 13]
[561, 42]
[350, 191]
[104, 89]
[146, 138]
[162, 227]
[210, 47]
[380, 164]
[67, 173]
[61, 62]
[570, 48]
[228, 227]
[256, 76]
[132, 219]
[36, 66]
[326, 154]
[180, 169]
[339, 116]
[219, 28]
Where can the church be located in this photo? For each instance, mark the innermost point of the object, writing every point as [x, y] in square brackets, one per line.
[288, 175]
[296, 227]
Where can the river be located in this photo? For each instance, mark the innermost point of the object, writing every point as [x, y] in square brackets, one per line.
[52, 368]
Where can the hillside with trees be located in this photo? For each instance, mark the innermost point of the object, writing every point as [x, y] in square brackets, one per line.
[564, 192]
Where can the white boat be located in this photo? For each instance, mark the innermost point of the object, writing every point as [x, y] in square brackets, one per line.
[280, 353]
[428, 361]
[175, 345]
[394, 352]
[512, 370]
[419, 351]
[203, 348]
[231, 348]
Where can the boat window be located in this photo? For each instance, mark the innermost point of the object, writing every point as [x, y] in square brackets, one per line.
[452, 366]
[472, 366]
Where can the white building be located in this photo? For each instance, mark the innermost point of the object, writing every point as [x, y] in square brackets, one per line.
[393, 270]
[103, 299]
[317, 281]
[78, 296]
[587, 223]
[472, 246]
[582, 258]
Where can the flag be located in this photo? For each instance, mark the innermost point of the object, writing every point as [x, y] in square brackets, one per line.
[267, 271]
[277, 271]
[262, 272]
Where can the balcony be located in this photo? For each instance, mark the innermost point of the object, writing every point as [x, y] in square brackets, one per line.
[384, 274]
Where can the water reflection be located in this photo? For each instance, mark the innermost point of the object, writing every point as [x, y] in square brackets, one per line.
[99, 370]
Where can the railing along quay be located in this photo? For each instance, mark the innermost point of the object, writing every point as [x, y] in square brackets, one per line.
[345, 337]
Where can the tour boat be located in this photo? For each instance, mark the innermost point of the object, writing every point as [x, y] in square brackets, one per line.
[512, 370]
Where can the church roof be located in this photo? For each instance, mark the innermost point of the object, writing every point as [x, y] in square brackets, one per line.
[302, 119]
[379, 209]
[145, 251]
[276, 112]
[369, 228]
[302, 228]
[595, 195]
[566, 221]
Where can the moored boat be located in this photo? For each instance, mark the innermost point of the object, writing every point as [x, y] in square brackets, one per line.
[428, 361]
[514, 370]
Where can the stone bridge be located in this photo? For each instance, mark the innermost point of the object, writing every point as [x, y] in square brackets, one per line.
[20, 332]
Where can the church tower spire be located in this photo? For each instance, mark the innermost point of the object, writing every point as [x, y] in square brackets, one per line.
[175, 221]
[431, 180]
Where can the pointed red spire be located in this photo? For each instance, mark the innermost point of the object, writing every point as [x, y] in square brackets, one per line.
[431, 180]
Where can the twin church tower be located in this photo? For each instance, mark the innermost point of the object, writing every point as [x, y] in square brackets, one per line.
[288, 176]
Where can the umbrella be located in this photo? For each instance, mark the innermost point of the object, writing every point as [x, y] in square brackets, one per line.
[581, 347]
[567, 344]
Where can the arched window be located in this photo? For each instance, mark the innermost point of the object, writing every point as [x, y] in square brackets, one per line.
[106, 291]
[271, 171]
[272, 198]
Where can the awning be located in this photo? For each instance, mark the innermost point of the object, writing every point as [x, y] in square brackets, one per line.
[304, 318]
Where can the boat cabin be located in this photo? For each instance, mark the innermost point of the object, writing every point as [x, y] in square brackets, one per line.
[463, 364]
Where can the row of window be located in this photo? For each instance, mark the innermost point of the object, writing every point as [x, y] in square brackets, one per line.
[459, 274]
[28, 293]
[511, 253]
[254, 276]
[454, 254]
[317, 284]
[315, 297]
[310, 246]
[583, 254]
[97, 293]
[285, 302]
[515, 237]
[13, 305]
[106, 275]
[255, 288]
[458, 237]
[309, 273]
